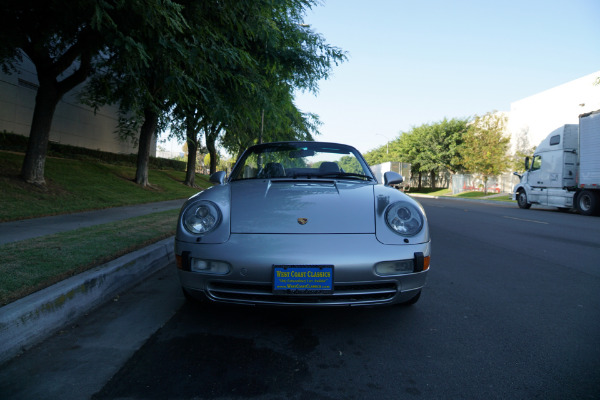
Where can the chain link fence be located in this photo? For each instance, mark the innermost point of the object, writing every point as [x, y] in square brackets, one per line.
[469, 183]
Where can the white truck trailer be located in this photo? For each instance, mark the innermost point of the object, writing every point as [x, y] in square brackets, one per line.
[395, 166]
[565, 169]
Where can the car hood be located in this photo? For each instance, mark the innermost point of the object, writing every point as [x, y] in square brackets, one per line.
[279, 206]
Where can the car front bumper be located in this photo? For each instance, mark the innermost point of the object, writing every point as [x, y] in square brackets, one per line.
[251, 258]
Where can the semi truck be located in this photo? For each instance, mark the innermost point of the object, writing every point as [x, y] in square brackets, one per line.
[564, 171]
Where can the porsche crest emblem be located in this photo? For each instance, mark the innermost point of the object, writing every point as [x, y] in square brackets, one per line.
[302, 221]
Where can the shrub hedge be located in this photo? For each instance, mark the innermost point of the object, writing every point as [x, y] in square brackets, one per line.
[18, 143]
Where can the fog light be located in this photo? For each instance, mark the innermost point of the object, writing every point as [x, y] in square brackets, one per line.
[397, 267]
[209, 266]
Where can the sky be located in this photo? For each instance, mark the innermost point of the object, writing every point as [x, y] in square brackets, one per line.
[420, 61]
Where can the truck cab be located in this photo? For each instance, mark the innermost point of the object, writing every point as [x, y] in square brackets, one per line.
[550, 176]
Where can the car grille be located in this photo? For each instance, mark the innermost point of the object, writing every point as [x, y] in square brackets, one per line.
[370, 293]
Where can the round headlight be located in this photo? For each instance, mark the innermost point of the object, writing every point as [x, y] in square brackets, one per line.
[202, 217]
[404, 218]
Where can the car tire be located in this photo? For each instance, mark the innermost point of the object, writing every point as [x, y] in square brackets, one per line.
[587, 203]
[413, 300]
[522, 200]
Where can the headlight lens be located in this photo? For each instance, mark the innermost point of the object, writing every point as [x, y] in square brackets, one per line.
[202, 217]
[404, 218]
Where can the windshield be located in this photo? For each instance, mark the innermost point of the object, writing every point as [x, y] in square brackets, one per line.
[310, 160]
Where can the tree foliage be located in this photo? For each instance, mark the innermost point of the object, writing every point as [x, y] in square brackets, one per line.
[65, 42]
[429, 148]
[219, 63]
[522, 149]
[61, 44]
[286, 56]
[485, 147]
[230, 61]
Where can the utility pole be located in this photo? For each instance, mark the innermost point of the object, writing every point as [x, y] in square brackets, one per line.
[387, 142]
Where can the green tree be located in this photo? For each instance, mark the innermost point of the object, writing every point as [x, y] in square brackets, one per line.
[409, 145]
[144, 87]
[439, 146]
[350, 164]
[485, 147]
[378, 155]
[208, 159]
[522, 149]
[64, 43]
[430, 148]
[269, 54]
[288, 56]
[220, 64]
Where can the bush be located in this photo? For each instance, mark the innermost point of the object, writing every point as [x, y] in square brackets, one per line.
[18, 143]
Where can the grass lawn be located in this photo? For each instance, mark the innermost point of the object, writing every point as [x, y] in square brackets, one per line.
[431, 192]
[79, 185]
[466, 195]
[31, 265]
[481, 195]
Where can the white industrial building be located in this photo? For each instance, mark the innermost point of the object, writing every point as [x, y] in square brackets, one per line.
[538, 115]
[73, 123]
[531, 119]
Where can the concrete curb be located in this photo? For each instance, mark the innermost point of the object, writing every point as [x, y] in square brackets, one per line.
[28, 321]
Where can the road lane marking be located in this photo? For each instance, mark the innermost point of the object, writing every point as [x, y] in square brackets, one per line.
[527, 220]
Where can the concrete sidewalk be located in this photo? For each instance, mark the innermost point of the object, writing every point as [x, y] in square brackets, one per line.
[15, 231]
[30, 320]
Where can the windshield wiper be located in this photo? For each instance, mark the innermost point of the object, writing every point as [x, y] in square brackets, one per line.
[347, 175]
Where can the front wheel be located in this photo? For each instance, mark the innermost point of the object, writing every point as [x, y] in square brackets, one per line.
[587, 203]
[522, 199]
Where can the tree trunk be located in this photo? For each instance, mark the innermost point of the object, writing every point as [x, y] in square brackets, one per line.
[432, 175]
[212, 150]
[32, 170]
[192, 143]
[211, 133]
[48, 67]
[146, 134]
[420, 180]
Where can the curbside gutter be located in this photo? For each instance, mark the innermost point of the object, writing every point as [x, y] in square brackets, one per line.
[28, 321]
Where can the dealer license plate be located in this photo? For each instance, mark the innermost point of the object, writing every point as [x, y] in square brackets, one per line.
[302, 279]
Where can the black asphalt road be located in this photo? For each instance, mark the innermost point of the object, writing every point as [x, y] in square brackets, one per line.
[511, 311]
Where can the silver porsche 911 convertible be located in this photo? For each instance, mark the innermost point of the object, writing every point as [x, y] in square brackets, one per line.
[302, 224]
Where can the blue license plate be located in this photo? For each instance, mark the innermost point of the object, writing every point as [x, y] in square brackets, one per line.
[303, 279]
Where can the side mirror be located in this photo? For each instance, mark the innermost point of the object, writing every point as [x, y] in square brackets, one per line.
[526, 163]
[392, 178]
[218, 177]
[518, 174]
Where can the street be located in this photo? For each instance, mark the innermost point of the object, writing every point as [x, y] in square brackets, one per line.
[511, 310]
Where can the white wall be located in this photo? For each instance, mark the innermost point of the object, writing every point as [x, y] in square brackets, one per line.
[73, 124]
[541, 113]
